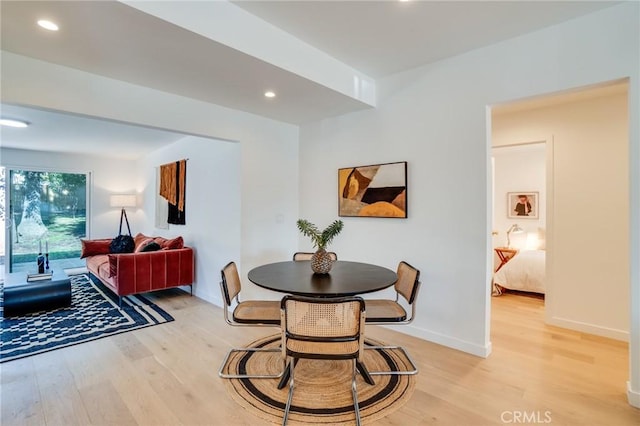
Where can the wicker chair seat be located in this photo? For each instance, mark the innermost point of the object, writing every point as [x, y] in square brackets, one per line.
[306, 349]
[258, 312]
[381, 310]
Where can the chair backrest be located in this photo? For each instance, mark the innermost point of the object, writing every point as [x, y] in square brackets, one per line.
[408, 281]
[303, 255]
[323, 327]
[230, 282]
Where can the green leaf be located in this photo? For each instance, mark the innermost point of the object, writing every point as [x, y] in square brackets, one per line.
[319, 239]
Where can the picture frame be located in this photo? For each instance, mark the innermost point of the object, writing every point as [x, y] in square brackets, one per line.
[377, 190]
[523, 205]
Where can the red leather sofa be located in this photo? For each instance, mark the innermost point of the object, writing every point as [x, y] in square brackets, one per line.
[140, 272]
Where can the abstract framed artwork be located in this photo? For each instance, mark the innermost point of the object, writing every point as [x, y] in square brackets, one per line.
[378, 190]
[522, 205]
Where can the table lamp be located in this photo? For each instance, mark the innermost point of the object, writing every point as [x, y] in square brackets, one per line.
[516, 230]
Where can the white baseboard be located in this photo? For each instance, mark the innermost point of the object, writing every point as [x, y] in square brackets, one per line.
[448, 341]
[211, 297]
[584, 327]
[633, 396]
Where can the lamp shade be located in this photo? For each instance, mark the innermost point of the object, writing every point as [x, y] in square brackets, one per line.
[515, 228]
[122, 200]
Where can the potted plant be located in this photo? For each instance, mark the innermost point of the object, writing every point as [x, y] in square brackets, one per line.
[321, 261]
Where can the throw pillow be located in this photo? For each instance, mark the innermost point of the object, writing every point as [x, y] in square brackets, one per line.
[95, 247]
[160, 241]
[151, 246]
[140, 245]
[140, 240]
[176, 243]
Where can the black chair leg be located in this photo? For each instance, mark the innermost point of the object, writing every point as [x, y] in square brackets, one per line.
[285, 375]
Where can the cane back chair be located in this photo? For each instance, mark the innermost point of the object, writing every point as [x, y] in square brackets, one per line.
[388, 311]
[254, 313]
[322, 328]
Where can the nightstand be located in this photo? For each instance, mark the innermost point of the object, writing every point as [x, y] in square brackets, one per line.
[505, 254]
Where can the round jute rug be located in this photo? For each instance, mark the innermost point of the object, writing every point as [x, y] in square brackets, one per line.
[322, 392]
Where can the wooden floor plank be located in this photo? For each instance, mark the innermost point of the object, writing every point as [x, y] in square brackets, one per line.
[61, 400]
[20, 401]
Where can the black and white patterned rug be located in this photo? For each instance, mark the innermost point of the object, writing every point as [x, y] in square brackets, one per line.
[93, 314]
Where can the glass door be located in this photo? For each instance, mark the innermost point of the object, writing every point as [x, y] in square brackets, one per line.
[46, 213]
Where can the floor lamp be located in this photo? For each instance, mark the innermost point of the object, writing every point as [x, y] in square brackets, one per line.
[123, 201]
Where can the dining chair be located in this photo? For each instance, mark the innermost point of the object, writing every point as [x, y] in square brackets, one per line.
[303, 255]
[254, 313]
[322, 328]
[389, 311]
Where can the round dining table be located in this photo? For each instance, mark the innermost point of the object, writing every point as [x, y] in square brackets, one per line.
[344, 279]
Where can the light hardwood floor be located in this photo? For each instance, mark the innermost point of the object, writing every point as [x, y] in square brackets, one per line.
[167, 375]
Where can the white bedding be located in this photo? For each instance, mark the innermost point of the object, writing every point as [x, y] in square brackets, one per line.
[524, 272]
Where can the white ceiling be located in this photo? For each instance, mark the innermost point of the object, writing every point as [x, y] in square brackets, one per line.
[377, 38]
[384, 37]
[54, 131]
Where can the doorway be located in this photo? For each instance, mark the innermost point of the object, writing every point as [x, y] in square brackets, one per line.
[520, 218]
[43, 212]
[588, 202]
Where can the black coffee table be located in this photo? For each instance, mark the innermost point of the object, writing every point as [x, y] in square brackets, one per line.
[22, 297]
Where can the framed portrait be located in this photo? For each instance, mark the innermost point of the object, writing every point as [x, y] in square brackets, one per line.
[378, 190]
[522, 205]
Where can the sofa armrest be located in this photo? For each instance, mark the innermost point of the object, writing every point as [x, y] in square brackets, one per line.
[148, 271]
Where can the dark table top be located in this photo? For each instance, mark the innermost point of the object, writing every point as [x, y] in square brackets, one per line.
[20, 278]
[344, 279]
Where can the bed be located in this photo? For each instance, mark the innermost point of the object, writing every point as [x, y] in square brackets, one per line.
[524, 272]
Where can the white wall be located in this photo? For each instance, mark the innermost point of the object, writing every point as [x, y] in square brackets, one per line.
[212, 199]
[107, 177]
[435, 117]
[519, 168]
[589, 240]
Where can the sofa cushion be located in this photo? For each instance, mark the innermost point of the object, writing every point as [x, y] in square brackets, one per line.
[104, 271]
[95, 247]
[94, 262]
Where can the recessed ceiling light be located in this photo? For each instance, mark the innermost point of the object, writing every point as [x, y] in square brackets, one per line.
[48, 25]
[270, 94]
[13, 123]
